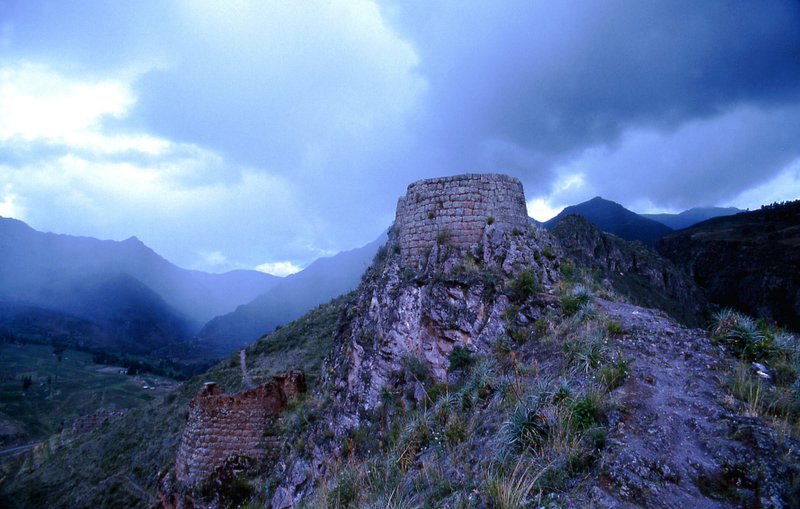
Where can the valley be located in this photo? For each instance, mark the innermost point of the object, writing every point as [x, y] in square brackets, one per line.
[62, 386]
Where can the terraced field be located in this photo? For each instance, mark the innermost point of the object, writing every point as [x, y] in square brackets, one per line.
[62, 390]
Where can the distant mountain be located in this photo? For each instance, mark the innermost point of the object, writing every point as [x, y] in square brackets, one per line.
[291, 298]
[613, 218]
[749, 261]
[692, 216]
[38, 268]
[40, 325]
[110, 312]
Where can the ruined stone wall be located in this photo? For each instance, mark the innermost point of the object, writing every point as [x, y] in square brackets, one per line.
[221, 426]
[89, 423]
[456, 210]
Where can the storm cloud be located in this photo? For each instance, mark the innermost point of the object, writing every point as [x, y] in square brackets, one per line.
[245, 133]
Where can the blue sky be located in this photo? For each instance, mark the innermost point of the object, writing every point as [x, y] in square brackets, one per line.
[245, 133]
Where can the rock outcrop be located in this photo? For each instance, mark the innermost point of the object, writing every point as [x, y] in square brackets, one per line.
[633, 270]
[425, 294]
[457, 296]
[227, 432]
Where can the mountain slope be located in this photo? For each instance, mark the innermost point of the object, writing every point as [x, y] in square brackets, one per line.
[613, 218]
[35, 265]
[750, 261]
[692, 216]
[296, 294]
[633, 270]
[120, 464]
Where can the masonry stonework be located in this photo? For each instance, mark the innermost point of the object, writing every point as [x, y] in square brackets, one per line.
[222, 426]
[456, 209]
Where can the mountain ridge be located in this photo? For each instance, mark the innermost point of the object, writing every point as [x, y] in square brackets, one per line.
[322, 280]
[30, 260]
[613, 218]
[692, 216]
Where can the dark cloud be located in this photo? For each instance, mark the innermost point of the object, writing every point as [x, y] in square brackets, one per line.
[557, 77]
[673, 103]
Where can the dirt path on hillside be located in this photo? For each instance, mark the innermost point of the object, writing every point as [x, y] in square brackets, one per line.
[677, 440]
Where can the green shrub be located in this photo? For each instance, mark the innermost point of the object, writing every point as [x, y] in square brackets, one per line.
[525, 428]
[614, 328]
[490, 220]
[460, 358]
[745, 337]
[541, 326]
[417, 368]
[585, 353]
[519, 335]
[576, 301]
[568, 270]
[614, 375]
[586, 411]
[345, 493]
[548, 253]
[524, 285]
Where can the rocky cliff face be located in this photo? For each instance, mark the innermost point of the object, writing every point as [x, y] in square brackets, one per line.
[457, 294]
[750, 261]
[425, 295]
[633, 270]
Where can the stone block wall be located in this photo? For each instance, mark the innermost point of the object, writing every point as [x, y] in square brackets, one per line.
[456, 210]
[221, 426]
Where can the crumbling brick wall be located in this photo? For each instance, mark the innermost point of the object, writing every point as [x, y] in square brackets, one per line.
[221, 426]
[456, 209]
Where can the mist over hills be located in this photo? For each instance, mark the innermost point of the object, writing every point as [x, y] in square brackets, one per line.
[291, 298]
[692, 216]
[35, 266]
[613, 218]
[136, 300]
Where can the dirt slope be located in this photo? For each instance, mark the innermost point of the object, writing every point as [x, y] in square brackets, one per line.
[678, 440]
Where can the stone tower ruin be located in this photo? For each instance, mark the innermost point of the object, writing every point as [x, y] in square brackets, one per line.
[456, 209]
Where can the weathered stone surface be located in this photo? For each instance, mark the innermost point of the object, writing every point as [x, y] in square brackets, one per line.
[457, 208]
[223, 429]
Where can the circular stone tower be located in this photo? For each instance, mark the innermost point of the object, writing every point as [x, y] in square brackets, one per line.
[456, 209]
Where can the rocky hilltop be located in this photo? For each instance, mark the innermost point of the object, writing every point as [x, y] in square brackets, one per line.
[444, 280]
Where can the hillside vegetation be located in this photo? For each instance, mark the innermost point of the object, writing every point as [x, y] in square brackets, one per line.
[750, 261]
[119, 465]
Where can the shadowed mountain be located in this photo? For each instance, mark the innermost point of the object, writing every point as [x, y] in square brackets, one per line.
[692, 216]
[291, 298]
[633, 270]
[613, 218]
[38, 268]
[749, 261]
